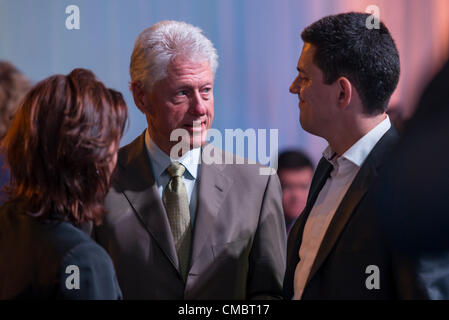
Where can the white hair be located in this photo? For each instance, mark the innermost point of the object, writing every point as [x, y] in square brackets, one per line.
[159, 44]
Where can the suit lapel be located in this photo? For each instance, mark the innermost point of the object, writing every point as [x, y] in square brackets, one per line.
[322, 172]
[355, 193]
[140, 188]
[213, 187]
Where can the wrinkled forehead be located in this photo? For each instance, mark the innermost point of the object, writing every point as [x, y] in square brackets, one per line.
[186, 68]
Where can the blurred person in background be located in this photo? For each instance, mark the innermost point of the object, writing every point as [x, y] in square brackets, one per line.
[295, 171]
[13, 86]
[411, 198]
[397, 117]
[61, 150]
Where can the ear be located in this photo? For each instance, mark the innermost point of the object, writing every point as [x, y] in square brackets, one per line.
[140, 97]
[344, 92]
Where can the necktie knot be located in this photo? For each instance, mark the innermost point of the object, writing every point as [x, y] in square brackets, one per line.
[176, 169]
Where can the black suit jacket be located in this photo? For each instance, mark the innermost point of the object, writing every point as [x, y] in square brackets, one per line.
[35, 256]
[352, 241]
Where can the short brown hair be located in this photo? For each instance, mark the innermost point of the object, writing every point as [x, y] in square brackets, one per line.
[59, 147]
[13, 86]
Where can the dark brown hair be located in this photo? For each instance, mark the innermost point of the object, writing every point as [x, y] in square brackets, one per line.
[60, 147]
[294, 160]
[367, 57]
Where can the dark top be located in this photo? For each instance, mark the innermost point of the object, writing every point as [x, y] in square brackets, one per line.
[413, 196]
[4, 177]
[53, 260]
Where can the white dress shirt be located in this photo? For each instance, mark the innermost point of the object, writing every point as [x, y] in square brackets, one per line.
[345, 169]
[160, 161]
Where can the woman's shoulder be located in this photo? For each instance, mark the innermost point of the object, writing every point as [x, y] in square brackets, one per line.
[58, 236]
[87, 272]
[56, 249]
[85, 269]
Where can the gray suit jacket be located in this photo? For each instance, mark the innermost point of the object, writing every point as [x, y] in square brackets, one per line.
[238, 245]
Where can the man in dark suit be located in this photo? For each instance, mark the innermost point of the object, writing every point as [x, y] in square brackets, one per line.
[346, 75]
[178, 227]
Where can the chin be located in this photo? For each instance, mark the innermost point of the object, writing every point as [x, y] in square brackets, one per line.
[307, 127]
[197, 143]
[304, 125]
[199, 139]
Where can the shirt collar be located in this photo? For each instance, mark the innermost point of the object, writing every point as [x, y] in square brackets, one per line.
[360, 150]
[160, 160]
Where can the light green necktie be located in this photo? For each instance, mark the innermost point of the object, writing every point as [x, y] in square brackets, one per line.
[177, 206]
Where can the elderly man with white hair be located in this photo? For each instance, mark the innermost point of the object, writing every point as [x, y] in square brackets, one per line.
[180, 227]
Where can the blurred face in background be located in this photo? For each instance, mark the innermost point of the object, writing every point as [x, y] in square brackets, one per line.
[295, 188]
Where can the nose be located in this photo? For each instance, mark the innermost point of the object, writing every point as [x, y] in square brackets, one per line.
[197, 105]
[294, 87]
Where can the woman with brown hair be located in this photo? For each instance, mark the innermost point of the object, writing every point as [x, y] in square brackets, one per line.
[61, 149]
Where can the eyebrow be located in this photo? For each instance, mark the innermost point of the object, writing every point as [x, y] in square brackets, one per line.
[189, 85]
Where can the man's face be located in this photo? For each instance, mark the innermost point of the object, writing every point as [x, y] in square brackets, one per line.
[185, 96]
[295, 188]
[316, 99]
